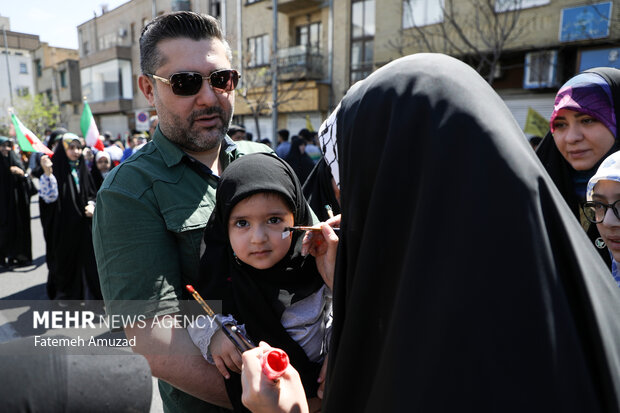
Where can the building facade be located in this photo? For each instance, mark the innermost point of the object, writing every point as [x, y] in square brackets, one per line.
[322, 47]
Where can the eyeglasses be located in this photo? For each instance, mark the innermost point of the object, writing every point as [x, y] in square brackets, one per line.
[595, 211]
[189, 83]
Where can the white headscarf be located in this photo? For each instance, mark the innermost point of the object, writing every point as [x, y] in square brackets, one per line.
[608, 171]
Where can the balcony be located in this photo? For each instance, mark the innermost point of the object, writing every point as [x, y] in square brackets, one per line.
[300, 62]
[294, 6]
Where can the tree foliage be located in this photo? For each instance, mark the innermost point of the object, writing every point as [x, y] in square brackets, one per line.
[35, 112]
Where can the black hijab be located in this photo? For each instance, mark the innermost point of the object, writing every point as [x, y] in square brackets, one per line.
[319, 192]
[71, 232]
[300, 162]
[463, 281]
[562, 172]
[249, 294]
[15, 235]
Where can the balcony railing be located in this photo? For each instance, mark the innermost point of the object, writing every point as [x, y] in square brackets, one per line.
[300, 62]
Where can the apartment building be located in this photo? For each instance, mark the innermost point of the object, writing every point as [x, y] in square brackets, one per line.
[324, 46]
[16, 65]
[57, 76]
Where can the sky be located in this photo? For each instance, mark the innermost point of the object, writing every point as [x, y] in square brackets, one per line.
[55, 21]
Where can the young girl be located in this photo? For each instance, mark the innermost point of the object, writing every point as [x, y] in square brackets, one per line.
[603, 194]
[264, 281]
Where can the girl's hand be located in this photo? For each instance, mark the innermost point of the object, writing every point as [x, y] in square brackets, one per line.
[225, 354]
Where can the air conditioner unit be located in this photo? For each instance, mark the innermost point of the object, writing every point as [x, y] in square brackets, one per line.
[122, 32]
[541, 69]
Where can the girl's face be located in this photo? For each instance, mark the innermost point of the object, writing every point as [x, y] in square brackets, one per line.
[255, 229]
[103, 164]
[608, 192]
[581, 139]
[74, 151]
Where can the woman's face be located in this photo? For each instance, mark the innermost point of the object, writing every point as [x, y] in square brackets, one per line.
[5, 148]
[608, 192]
[581, 139]
[255, 230]
[74, 151]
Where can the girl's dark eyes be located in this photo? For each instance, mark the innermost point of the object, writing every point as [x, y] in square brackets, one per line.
[241, 223]
[274, 220]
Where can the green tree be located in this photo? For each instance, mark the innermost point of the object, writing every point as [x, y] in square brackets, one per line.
[35, 112]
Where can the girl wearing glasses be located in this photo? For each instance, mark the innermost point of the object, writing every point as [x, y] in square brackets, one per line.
[583, 133]
[603, 194]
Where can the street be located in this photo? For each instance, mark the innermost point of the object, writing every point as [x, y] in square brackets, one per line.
[23, 288]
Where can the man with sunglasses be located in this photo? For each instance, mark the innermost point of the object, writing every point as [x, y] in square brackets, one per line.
[153, 208]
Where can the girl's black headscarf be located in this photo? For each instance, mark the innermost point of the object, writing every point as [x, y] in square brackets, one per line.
[562, 172]
[251, 295]
[463, 280]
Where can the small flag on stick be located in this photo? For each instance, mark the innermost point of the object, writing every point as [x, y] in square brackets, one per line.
[535, 123]
[89, 128]
[28, 141]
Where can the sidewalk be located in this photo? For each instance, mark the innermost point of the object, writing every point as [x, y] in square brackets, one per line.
[19, 286]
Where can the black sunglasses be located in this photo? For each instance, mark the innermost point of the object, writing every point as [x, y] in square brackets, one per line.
[189, 83]
[595, 211]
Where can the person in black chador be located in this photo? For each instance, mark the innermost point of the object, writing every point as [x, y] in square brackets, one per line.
[68, 189]
[299, 159]
[15, 237]
[462, 279]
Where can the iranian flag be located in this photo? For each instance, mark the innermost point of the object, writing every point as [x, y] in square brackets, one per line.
[28, 141]
[89, 129]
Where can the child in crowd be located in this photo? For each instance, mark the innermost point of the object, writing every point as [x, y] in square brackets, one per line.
[260, 274]
[603, 194]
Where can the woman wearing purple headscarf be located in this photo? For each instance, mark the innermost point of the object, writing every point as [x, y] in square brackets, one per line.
[583, 133]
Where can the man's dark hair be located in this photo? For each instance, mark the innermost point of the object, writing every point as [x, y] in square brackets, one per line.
[284, 134]
[173, 25]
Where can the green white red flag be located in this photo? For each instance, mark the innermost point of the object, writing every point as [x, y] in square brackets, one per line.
[28, 141]
[89, 128]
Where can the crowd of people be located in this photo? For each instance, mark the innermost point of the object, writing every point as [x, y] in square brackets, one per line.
[494, 286]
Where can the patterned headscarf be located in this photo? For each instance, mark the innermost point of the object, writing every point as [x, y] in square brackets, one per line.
[587, 93]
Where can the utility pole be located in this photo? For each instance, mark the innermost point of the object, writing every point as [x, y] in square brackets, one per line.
[274, 74]
[8, 68]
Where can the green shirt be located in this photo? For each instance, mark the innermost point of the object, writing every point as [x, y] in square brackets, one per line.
[147, 227]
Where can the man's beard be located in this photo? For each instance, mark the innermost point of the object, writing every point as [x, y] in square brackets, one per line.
[199, 140]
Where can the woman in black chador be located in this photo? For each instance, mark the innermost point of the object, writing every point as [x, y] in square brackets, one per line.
[463, 281]
[68, 189]
[15, 237]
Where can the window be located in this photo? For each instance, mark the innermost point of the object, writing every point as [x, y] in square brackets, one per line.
[39, 69]
[85, 48]
[23, 68]
[23, 91]
[215, 8]
[422, 12]
[540, 69]
[309, 35]
[63, 78]
[508, 5]
[362, 38]
[258, 48]
[106, 81]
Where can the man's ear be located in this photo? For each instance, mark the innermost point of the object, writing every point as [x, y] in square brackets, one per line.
[147, 87]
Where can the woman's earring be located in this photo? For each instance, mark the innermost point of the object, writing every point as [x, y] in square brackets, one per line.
[599, 243]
